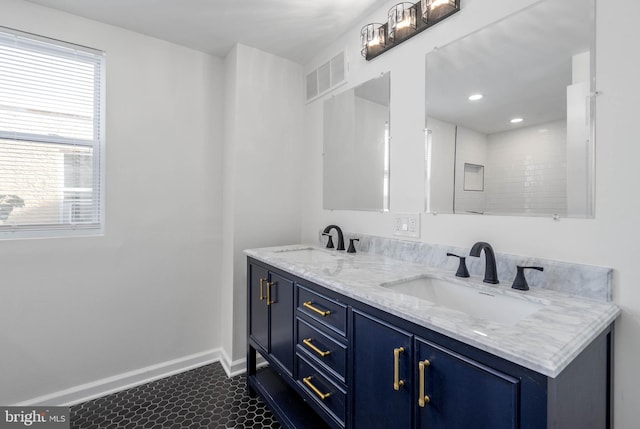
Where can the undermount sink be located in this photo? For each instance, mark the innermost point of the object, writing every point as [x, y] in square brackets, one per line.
[480, 301]
[309, 255]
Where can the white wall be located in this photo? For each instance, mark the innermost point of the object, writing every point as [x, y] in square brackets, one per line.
[609, 240]
[527, 170]
[76, 310]
[262, 175]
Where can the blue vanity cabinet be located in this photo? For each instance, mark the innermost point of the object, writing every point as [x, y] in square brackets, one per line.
[393, 369]
[258, 310]
[382, 374]
[454, 391]
[321, 353]
[281, 321]
[337, 362]
[270, 333]
[271, 315]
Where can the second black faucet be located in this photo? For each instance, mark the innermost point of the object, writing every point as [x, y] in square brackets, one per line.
[340, 236]
[490, 270]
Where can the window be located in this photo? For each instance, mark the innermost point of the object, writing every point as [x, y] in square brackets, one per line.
[51, 145]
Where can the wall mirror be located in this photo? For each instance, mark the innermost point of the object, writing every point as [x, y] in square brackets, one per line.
[356, 147]
[517, 98]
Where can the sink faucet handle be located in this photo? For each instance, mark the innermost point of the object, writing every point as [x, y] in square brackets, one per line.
[330, 241]
[520, 282]
[462, 267]
[352, 249]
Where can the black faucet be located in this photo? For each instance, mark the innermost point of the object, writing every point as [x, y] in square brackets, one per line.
[490, 271]
[340, 236]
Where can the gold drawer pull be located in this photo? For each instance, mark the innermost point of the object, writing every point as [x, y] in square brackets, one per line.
[397, 383]
[261, 286]
[310, 306]
[422, 398]
[269, 284]
[323, 396]
[307, 342]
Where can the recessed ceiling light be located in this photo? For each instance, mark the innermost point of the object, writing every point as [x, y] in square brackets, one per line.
[516, 120]
[475, 97]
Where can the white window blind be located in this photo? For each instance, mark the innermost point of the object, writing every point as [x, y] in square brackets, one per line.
[51, 98]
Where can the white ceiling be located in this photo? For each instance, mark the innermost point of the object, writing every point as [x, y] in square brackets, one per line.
[521, 64]
[293, 29]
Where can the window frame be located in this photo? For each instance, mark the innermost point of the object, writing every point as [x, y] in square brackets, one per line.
[97, 144]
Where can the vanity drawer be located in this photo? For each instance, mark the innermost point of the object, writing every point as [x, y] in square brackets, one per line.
[323, 309]
[325, 393]
[322, 349]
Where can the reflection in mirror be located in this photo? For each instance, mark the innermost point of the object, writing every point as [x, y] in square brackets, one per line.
[516, 98]
[473, 177]
[356, 148]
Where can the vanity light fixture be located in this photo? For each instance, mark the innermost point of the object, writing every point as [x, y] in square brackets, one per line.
[372, 39]
[516, 120]
[434, 9]
[403, 23]
[475, 97]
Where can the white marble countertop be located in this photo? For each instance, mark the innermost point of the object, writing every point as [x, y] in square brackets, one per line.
[545, 341]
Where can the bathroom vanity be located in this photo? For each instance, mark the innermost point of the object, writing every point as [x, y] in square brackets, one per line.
[357, 341]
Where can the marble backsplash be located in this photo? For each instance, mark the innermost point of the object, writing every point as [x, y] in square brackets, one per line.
[577, 279]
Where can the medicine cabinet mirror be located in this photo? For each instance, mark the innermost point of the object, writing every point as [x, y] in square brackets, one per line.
[516, 97]
[356, 147]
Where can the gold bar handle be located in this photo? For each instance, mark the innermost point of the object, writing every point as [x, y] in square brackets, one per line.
[269, 284]
[323, 396]
[310, 306]
[261, 286]
[397, 383]
[307, 342]
[422, 398]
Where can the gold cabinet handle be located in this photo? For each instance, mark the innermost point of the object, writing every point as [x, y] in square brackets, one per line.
[310, 306]
[307, 342]
[422, 398]
[397, 383]
[269, 284]
[261, 286]
[323, 396]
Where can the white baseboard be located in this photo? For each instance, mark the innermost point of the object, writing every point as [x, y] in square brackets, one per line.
[231, 368]
[127, 380]
[116, 383]
[238, 366]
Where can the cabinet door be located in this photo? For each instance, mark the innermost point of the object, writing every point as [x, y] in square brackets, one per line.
[258, 310]
[376, 402]
[463, 393]
[281, 304]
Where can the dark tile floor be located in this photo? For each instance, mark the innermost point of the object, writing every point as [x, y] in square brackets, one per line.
[201, 398]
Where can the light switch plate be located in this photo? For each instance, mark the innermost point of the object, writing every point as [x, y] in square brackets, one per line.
[407, 224]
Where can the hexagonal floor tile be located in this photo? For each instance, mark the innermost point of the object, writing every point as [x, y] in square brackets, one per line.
[201, 398]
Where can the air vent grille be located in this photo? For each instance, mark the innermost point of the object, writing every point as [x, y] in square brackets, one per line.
[312, 84]
[328, 76]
